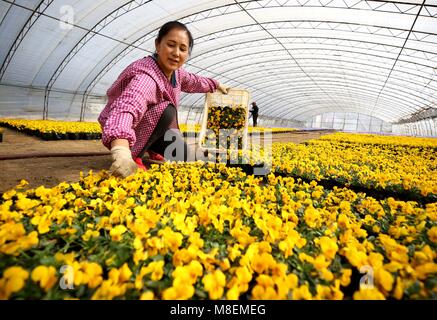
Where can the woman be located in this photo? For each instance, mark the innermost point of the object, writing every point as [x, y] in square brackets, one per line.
[141, 114]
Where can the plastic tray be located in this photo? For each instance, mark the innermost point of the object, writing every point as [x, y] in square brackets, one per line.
[235, 98]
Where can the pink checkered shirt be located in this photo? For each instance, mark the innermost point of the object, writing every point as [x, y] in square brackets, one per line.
[138, 97]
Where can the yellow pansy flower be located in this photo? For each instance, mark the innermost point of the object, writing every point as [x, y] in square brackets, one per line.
[13, 280]
[117, 232]
[432, 234]
[368, 294]
[90, 234]
[302, 293]
[343, 221]
[328, 246]
[148, 295]
[93, 272]
[214, 284]
[345, 279]
[233, 293]
[384, 279]
[263, 293]
[261, 263]
[45, 276]
[423, 270]
[156, 268]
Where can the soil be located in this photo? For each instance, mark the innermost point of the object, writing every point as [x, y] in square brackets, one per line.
[42, 162]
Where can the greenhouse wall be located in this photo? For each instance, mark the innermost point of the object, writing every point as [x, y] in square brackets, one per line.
[27, 103]
[20, 102]
[348, 121]
[425, 128]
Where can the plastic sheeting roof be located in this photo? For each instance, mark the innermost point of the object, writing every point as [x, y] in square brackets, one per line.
[299, 58]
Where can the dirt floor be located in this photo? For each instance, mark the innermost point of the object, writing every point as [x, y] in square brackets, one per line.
[50, 162]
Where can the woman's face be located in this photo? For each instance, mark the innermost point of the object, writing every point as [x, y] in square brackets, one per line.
[173, 51]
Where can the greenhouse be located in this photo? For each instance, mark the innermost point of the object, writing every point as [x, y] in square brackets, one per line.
[218, 150]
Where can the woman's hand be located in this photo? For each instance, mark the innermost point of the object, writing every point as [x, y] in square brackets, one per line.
[122, 163]
[223, 89]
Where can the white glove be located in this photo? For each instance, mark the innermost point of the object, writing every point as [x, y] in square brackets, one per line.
[223, 89]
[122, 163]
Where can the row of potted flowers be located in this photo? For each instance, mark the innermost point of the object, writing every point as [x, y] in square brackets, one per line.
[69, 130]
[55, 130]
[203, 230]
[386, 140]
[409, 172]
[406, 169]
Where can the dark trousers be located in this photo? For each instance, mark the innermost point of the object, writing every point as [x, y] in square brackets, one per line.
[255, 118]
[165, 141]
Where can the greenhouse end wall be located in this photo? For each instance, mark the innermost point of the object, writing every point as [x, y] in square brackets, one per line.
[353, 122]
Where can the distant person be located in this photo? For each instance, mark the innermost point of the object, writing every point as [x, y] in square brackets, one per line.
[254, 113]
[143, 101]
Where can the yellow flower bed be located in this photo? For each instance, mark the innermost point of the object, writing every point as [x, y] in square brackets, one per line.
[46, 126]
[55, 130]
[374, 139]
[189, 127]
[64, 127]
[272, 130]
[226, 117]
[204, 231]
[255, 157]
[371, 164]
[225, 127]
